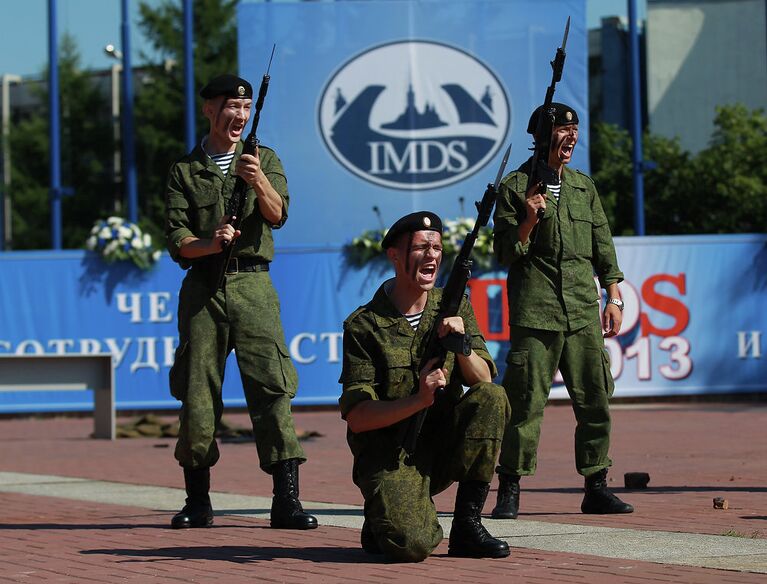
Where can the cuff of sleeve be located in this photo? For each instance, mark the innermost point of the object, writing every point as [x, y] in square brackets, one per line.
[605, 281]
[488, 359]
[174, 242]
[284, 214]
[354, 395]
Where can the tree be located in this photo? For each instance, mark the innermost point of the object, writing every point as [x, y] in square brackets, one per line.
[731, 174]
[86, 146]
[723, 189]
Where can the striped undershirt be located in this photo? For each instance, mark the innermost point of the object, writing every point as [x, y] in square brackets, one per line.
[223, 161]
[414, 319]
[554, 190]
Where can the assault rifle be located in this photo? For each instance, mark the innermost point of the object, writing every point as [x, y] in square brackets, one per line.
[540, 171]
[236, 205]
[452, 295]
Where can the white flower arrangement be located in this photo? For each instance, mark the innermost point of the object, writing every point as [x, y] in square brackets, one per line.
[367, 247]
[117, 239]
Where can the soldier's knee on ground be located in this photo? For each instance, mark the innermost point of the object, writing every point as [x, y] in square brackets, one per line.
[412, 547]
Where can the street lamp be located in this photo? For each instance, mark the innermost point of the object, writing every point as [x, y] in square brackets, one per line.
[116, 161]
[5, 202]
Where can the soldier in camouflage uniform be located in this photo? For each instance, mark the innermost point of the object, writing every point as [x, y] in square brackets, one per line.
[554, 317]
[244, 314]
[383, 344]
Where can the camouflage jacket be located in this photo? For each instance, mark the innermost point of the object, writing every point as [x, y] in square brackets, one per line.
[551, 283]
[198, 193]
[381, 355]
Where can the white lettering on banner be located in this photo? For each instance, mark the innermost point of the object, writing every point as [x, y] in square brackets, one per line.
[151, 355]
[37, 348]
[333, 345]
[295, 348]
[419, 156]
[158, 304]
[59, 346]
[146, 349]
[169, 349]
[749, 341]
[134, 307]
[679, 349]
[616, 357]
[90, 346]
[641, 350]
[117, 352]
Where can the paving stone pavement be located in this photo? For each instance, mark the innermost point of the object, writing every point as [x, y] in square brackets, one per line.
[77, 509]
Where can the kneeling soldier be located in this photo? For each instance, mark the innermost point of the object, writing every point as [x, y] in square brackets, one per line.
[462, 431]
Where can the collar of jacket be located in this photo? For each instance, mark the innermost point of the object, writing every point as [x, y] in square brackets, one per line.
[386, 314]
[570, 177]
[199, 160]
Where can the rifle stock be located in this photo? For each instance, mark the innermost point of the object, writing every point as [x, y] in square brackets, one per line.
[452, 295]
[236, 205]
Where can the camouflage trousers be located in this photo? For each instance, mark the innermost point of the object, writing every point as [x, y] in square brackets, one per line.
[458, 442]
[583, 361]
[244, 316]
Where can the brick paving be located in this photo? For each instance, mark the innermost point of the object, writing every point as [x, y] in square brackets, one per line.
[693, 452]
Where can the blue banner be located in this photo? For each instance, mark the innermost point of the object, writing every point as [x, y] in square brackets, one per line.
[694, 321]
[378, 108]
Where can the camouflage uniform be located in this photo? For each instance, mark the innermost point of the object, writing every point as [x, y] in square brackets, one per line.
[244, 315]
[554, 317]
[458, 442]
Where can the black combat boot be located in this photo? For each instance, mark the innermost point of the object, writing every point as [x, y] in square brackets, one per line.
[287, 512]
[198, 511]
[368, 540]
[598, 498]
[468, 537]
[507, 506]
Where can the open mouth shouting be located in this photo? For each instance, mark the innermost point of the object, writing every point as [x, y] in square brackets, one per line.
[426, 273]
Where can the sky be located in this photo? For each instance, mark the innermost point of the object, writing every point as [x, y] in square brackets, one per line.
[96, 23]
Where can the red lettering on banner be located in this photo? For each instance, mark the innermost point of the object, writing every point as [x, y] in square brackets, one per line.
[481, 303]
[671, 306]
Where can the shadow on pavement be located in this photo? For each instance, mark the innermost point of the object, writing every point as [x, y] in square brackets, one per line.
[241, 554]
[81, 526]
[307, 508]
[658, 489]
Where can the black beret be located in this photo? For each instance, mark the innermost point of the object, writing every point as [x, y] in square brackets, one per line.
[418, 221]
[230, 86]
[564, 115]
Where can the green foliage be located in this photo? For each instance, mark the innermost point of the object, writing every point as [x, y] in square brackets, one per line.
[86, 145]
[722, 189]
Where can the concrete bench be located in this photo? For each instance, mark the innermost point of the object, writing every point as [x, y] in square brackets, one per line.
[68, 372]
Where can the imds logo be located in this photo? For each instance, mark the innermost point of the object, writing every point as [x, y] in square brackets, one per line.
[414, 115]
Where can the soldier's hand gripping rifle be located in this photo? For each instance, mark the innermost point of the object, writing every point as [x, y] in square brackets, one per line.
[236, 205]
[452, 295]
[540, 172]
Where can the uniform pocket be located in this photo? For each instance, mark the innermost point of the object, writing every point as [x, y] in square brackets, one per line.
[271, 367]
[609, 382]
[400, 380]
[206, 206]
[289, 373]
[179, 372]
[582, 221]
[515, 379]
